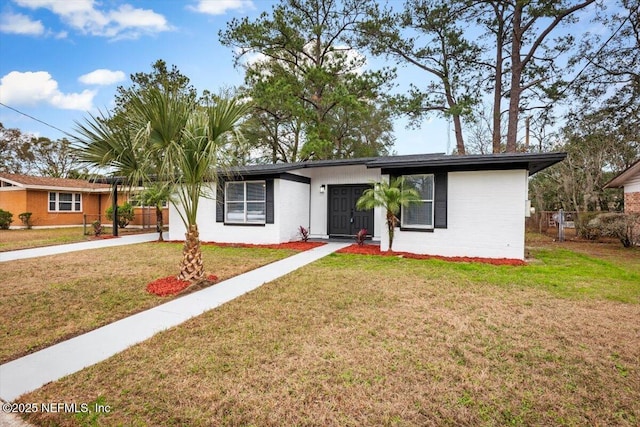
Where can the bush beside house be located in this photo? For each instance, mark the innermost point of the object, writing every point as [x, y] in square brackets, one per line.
[6, 218]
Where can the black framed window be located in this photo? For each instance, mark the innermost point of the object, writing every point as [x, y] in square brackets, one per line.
[245, 202]
[419, 214]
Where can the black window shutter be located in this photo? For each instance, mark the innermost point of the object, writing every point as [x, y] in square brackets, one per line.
[220, 202]
[440, 208]
[270, 217]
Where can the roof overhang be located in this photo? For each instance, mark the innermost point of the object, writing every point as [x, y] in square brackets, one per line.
[22, 186]
[532, 162]
[624, 176]
[67, 189]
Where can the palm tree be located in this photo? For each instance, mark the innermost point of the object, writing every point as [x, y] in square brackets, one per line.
[172, 137]
[156, 195]
[391, 197]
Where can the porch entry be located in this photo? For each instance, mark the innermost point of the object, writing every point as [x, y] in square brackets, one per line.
[344, 218]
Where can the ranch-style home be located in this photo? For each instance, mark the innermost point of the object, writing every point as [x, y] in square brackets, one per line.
[53, 202]
[629, 179]
[471, 206]
[62, 202]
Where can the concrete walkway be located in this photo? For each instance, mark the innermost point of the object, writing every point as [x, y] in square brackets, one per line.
[33, 371]
[81, 246]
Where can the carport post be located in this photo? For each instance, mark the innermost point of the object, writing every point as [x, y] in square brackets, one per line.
[114, 200]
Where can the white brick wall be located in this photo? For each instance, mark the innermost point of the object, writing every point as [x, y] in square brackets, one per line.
[358, 174]
[485, 218]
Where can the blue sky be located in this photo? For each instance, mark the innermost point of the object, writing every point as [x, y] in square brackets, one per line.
[60, 59]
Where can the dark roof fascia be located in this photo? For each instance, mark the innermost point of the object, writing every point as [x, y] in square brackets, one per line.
[533, 162]
[277, 168]
[340, 162]
[265, 176]
[251, 170]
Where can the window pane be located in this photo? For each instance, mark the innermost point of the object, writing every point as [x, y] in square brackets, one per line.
[418, 214]
[77, 197]
[256, 212]
[77, 207]
[423, 184]
[235, 212]
[235, 192]
[255, 191]
[65, 197]
[52, 197]
[52, 206]
[64, 206]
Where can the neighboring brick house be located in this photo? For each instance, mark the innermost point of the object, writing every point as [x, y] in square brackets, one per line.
[61, 202]
[629, 179]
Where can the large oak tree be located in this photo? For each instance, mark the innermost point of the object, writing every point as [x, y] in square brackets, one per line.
[308, 83]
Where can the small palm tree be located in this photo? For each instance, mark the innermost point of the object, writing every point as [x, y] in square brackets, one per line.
[168, 135]
[156, 195]
[391, 197]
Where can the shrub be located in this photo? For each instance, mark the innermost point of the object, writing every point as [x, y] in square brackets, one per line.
[585, 227]
[125, 214]
[619, 225]
[304, 233]
[97, 228]
[25, 217]
[361, 236]
[6, 218]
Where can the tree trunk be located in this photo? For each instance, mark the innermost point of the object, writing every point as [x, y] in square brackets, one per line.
[516, 75]
[191, 267]
[497, 93]
[391, 225]
[457, 122]
[457, 127]
[159, 223]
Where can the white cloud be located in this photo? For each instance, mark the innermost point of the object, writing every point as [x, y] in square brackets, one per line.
[33, 88]
[128, 17]
[102, 77]
[124, 22]
[16, 23]
[220, 7]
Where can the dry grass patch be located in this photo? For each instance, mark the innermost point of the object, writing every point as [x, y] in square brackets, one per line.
[357, 340]
[47, 299]
[12, 240]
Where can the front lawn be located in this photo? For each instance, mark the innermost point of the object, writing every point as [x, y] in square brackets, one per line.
[11, 240]
[48, 299]
[367, 340]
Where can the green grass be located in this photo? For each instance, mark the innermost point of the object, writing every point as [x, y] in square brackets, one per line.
[367, 340]
[51, 298]
[561, 272]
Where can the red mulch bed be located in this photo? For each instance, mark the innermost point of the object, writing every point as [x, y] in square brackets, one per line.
[104, 237]
[375, 250]
[295, 246]
[171, 285]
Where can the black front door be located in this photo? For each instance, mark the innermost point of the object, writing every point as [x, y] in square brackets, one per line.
[344, 218]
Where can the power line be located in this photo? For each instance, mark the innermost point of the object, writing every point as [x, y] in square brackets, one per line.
[36, 119]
